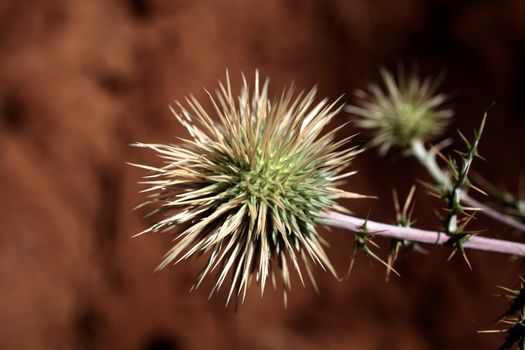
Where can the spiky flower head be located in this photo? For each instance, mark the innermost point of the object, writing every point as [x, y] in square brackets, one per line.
[406, 111]
[248, 189]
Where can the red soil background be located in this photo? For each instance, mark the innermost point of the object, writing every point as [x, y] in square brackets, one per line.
[81, 80]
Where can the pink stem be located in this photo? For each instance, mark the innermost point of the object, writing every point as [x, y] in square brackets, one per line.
[423, 236]
[496, 215]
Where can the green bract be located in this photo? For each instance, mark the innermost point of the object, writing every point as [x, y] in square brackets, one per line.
[249, 188]
[405, 112]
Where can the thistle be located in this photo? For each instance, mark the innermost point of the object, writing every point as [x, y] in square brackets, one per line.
[249, 188]
[408, 111]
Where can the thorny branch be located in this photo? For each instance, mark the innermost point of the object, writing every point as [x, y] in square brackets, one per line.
[423, 236]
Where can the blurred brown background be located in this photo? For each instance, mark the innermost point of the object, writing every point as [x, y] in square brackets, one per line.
[80, 80]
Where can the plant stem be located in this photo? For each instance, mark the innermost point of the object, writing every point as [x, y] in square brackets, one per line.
[428, 159]
[423, 236]
[494, 214]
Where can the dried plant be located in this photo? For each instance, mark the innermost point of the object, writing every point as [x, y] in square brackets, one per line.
[250, 189]
[406, 115]
[417, 110]
[257, 176]
[409, 110]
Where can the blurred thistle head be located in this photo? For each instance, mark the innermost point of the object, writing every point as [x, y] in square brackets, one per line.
[249, 188]
[405, 112]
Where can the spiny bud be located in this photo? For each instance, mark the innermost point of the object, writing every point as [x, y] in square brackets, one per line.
[407, 111]
[249, 188]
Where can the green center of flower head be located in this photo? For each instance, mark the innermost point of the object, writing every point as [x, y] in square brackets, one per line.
[250, 187]
[410, 121]
[292, 182]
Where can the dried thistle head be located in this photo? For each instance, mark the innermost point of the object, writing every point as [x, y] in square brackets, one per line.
[407, 111]
[248, 190]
